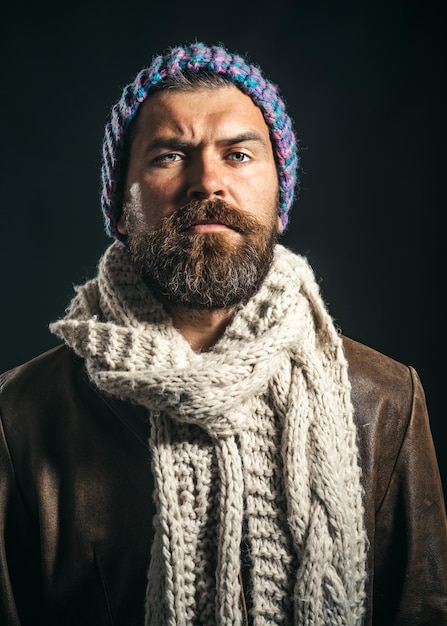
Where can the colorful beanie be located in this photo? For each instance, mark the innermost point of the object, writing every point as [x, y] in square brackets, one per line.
[198, 56]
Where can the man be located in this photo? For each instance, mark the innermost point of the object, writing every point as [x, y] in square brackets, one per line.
[204, 447]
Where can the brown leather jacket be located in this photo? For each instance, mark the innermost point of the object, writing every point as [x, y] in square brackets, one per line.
[76, 506]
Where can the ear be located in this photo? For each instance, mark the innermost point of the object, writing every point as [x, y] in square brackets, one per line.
[121, 225]
[279, 224]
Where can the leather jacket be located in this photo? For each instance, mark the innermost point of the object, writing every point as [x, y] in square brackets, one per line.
[76, 497]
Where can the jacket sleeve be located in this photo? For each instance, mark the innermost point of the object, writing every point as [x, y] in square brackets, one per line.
[410, 543]
[20, 579]
[11, 511]
[8, 611]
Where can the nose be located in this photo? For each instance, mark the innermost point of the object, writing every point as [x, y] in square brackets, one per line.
[206, 179]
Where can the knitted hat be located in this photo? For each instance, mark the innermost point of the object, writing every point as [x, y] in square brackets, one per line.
[194, 57]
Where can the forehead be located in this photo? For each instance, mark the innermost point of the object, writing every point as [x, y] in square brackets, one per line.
[195, 109]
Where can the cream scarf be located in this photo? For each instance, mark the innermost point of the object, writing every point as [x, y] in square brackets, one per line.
[253, 445]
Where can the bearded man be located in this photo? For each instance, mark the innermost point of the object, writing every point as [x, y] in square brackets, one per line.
[203, 447]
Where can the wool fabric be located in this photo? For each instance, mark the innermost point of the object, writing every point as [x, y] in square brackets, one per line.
[195, 57]
[253, 448]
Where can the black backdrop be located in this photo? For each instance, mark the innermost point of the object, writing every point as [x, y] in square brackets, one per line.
[365, 83]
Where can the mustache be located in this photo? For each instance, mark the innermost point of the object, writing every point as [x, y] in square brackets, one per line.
[216, 210]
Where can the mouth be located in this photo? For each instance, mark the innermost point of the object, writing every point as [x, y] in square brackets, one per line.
[209, 226]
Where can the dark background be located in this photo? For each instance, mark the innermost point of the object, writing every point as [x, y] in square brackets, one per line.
[365, 84]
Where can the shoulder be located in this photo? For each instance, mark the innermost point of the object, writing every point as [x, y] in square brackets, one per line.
[378, 380]
[367, 365]
[390, 415]
[43, 373]
[51, 395]
[383, 390]
[47, 387]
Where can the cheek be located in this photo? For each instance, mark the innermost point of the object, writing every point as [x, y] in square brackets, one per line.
[133, 194]
[137, 204]
[147, 204]
[265, 184]
[265, 198]
[160, 191]
[135, 201]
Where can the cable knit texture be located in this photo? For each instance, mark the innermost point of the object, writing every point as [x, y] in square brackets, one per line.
[253, 448]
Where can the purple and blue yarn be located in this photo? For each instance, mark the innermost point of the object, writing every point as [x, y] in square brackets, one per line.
[247, 77]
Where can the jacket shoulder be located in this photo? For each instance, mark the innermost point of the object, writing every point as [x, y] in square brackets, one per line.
[370, 370]
[41, 374]
[53, 392]
[389, 406]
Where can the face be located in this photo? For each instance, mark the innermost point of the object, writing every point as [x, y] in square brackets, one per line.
[201, 196]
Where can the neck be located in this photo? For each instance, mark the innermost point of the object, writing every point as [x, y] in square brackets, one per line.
[201, 328]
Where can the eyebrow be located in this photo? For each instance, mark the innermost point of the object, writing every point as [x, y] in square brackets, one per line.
[242, 138]
[175, 143]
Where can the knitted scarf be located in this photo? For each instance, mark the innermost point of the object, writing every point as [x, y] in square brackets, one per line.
[253, 448]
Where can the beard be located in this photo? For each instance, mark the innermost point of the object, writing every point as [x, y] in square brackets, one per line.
[206, 270]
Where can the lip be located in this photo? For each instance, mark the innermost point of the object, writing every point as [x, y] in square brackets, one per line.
[209, 227]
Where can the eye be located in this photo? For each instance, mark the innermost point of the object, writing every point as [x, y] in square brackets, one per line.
[170, 157]
[239, 157]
